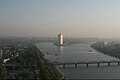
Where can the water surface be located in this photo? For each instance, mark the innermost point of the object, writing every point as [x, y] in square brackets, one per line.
[80, 52]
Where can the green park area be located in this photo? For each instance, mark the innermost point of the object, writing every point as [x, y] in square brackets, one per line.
[30, 64]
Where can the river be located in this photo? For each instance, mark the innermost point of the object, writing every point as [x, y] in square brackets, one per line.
[80, 52]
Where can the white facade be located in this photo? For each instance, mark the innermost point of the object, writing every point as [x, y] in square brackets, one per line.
[60, 39]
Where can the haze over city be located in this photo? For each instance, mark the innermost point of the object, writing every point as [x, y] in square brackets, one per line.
[47, 18]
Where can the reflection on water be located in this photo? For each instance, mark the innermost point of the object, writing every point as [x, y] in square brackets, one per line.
[60, 49]
[80, 52]
[73, 53]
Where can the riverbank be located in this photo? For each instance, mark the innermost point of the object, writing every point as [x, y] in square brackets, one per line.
[28, 63]
[111, 50]
[46, 68]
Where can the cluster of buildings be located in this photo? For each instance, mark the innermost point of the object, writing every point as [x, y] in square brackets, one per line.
[10, 48]
[9, 51]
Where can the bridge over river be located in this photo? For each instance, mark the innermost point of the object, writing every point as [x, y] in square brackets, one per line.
[89, 62]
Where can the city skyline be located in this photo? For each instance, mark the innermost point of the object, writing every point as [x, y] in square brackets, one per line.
[47, 18]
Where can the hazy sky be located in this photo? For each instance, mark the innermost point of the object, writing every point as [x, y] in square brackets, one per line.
[47, 18]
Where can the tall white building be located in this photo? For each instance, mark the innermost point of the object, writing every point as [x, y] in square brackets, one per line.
[60, 39]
